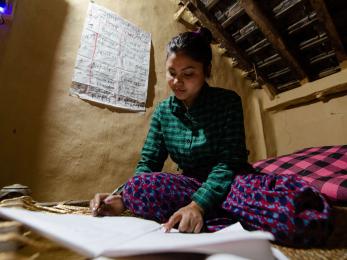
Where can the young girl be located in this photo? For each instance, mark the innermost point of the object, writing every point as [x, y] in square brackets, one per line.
[201, 128]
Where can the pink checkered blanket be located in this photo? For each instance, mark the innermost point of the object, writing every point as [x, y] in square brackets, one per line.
[325, 168]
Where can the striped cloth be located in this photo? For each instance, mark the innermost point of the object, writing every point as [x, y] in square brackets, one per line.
[324, 168]
[207, 141]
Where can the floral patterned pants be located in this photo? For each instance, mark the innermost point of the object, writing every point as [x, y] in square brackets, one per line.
[294, 212]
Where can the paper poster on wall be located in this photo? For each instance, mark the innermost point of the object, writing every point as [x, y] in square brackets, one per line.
[112, 64]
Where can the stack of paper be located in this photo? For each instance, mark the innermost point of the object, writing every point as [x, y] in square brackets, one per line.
[126, 236]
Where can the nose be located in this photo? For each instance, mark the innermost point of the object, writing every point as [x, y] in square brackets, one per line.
[177, 79]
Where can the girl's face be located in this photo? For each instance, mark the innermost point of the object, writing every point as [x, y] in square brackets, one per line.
[185, 77]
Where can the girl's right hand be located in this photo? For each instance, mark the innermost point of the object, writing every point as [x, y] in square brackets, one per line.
[105, 204]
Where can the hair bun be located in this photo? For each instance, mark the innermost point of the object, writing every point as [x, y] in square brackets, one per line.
[205, 33]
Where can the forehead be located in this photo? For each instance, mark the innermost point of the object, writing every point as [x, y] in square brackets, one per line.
[180, 60]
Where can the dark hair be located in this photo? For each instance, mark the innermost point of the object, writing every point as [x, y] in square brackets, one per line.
[196, 45]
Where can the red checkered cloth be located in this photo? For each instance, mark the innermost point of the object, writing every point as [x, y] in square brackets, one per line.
[325, 168]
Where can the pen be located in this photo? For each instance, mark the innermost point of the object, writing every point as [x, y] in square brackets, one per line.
[102, 204]
[118, 190]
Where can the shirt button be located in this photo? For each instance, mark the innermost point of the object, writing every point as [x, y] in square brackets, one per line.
[188, 141]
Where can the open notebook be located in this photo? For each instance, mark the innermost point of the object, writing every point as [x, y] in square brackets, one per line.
[126, 236]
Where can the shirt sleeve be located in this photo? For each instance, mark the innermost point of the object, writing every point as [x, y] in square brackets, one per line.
[232, 154]
[154, 152]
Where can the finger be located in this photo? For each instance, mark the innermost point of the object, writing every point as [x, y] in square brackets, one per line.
[97, 202]
[184, 225]
[112, 198]
[93, 208]
[96, 211]
[99, 211]
[198, 227]
[103, 210]
[173, 220]
[192, 225]
[99, 198]
[91, 204]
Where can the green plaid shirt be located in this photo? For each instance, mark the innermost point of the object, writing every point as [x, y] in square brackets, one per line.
[206, 141]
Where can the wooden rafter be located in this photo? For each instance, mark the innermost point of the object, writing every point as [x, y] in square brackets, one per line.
[201, 12]
[270, 32]
[325, 19]
[212, 3]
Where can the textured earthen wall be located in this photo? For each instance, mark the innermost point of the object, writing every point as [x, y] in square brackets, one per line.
[317, 123]
[63, 147]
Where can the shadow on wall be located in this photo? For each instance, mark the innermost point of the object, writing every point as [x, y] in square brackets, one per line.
[26, 76]
[152, 80]
[269, 132]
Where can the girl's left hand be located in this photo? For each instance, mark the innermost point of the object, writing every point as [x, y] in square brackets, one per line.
[190, 219]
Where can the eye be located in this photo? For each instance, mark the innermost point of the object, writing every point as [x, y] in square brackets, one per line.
[172, 74]
[188, 74]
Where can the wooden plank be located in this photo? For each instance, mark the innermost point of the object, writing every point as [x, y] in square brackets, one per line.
[329, 87]
[270, 32]
[270, 91]
[233, 13]
[210, 22]
[211, 4]
[325, 18]
[323, 95]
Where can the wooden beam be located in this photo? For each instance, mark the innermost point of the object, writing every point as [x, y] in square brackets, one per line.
[325, 18]
[211, 4]
[270, 32]
[323, 89]
[323, 95]
[210, 22]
